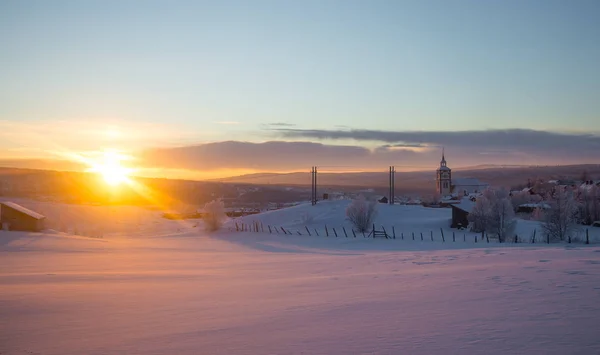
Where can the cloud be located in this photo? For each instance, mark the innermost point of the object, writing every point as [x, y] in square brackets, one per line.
[267, 156]
[283, 156]
[406, 150]
[405, 145]
[278, 124]
[294, 156]
[293, 150]
[510, 142]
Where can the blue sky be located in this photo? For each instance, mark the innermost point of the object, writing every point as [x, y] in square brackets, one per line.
[225, 70]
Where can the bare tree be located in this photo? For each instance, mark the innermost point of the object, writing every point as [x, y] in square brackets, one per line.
[561, 219]
[589, 207]
[361, 213]
[214, 215]
[494, 214]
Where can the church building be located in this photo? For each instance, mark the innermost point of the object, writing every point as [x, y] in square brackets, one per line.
[444, 178]
[446, 186]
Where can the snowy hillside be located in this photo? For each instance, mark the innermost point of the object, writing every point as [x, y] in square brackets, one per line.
[252, 293]
[403, 219]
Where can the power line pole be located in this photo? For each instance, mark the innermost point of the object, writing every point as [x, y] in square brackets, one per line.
[392, 192]
[314, 185]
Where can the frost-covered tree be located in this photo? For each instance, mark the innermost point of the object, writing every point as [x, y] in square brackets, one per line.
[523, 197]
[561, 219]
[361, 213]
[494, 214]
[480, 215]
[214, 215]
[503, 221]
[589, 207]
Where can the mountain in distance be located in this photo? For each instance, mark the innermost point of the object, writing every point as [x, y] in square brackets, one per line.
[495, 175]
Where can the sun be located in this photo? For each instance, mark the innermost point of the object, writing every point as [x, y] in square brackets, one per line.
[111, 170]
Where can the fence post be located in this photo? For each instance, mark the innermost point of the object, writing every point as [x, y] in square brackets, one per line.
[453, 237]
[354, 234]
[475, 238]
[364, 236]
[443, 239]
[548, 238]
[587, 236]
[464, 237]
[432, 236]
[307, 231]
[533, 238]
[326, 231]
[421, 236]
[334, 232]
[298, 232]
[269, 229]
[413, 235]
[516, 238]
[569, 239]
[384, 232]
[262, 227]
[487, 237]
[346, 234]
[276, 230]
[236, 227]
[393, 232]
[317, 232]
[402, 235]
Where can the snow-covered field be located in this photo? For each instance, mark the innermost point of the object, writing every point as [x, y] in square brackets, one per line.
[179, 290]
[401, 219]
[248, 293]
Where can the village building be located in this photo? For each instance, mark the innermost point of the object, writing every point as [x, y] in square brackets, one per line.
[15, 217]
[460, 213]
[457, 187]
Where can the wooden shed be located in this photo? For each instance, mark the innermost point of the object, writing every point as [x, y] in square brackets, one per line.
[15, 217]
[460, 213]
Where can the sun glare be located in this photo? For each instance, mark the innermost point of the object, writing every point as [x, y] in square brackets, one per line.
[111, 170]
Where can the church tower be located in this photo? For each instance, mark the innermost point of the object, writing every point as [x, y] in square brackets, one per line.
[444, 178]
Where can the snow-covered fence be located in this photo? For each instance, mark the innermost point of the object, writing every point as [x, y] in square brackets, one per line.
[440, 237]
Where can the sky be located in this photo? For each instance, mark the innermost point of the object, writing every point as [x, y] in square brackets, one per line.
[212, 88]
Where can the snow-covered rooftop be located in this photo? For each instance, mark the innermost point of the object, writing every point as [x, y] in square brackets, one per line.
[465, 205]
[22, 209]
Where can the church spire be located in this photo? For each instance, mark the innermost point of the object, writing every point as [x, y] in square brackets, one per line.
[443, 162]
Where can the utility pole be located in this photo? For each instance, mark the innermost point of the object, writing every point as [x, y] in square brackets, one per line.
[314, 185]
[392, 192]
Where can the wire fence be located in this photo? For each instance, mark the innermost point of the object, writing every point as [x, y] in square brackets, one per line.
[390, 233]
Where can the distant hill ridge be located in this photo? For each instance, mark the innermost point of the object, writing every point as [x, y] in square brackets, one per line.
[502, 175]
